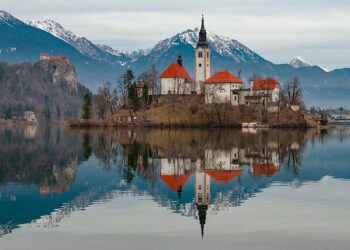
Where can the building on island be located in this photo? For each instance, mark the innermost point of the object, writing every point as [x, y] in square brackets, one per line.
[143, 86]
[223, 87]
[175, 80]
[265, 90]
[202, 58]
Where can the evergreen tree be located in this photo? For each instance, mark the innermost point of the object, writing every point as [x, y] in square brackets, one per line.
[132, 96]
[124, 84]
[86, 107]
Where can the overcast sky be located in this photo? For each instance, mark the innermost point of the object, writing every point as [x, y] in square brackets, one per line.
[278, 30]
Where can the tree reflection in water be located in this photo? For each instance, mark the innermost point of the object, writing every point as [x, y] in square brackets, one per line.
[190, 171]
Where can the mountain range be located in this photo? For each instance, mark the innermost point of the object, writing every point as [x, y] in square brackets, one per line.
[95, 63]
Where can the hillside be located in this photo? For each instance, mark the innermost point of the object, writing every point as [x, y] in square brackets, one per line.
[49, 88]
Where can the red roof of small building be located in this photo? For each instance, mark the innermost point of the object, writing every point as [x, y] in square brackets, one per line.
[265, 169]
[175, 182]
[223, 77]
[223, 176]
[175, 71]
[265, 84]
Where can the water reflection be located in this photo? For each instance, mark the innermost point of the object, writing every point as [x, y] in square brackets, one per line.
[50, 173]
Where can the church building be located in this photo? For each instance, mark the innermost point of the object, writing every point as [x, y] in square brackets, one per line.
[222, 87]
[176, 80]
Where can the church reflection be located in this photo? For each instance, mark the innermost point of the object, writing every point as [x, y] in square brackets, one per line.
[209, 160]
[191, 172]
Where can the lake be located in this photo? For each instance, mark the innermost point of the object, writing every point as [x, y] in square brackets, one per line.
[62, 188]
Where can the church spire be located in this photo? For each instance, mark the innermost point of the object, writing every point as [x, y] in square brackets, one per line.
[202, 41]
[202, 214]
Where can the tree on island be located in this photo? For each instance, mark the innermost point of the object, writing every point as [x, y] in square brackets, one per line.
[151, 78]
[106, 101]
[124, 83]
[293, 91]
[133, 100]
[86, 107]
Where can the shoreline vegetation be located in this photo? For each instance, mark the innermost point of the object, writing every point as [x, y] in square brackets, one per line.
[137, 102]
[191, 112]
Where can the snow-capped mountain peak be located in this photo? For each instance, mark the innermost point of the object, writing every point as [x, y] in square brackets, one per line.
[224, 46]
[298, 62]
[82, 44]
[55, 29]
[8, 19]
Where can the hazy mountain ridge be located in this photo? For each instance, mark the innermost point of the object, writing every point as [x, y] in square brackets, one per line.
[321, 87]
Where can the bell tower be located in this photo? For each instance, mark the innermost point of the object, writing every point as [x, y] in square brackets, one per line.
[202, 56]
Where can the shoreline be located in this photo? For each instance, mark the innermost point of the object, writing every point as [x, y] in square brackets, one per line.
[80, 123]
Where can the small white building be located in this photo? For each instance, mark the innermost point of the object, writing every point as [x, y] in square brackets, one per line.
[176, 81]
[223, 87]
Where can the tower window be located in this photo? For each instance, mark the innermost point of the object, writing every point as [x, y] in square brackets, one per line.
[200, 54]
[207, 54]
[200, 65]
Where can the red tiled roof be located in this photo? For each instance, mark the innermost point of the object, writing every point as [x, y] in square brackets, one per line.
[265, 84]
[223, 77]
[265, 169]
[175, 71]
[223, 176]
[175, 182]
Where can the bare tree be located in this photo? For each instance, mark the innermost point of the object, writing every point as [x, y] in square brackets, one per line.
[100, 105]
[151, 78]
[293, 90]
[106, 100]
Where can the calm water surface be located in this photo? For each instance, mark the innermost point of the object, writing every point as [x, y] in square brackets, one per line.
[174, 189]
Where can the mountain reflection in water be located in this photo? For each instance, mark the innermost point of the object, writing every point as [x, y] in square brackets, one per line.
[50, 173]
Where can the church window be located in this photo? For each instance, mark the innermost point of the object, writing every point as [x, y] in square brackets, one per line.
[200, 65]
[199, 187]
[200, 54]
[207, 54]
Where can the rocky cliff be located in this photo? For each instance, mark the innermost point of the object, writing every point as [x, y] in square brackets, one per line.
[48, 87]
[62, 72]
